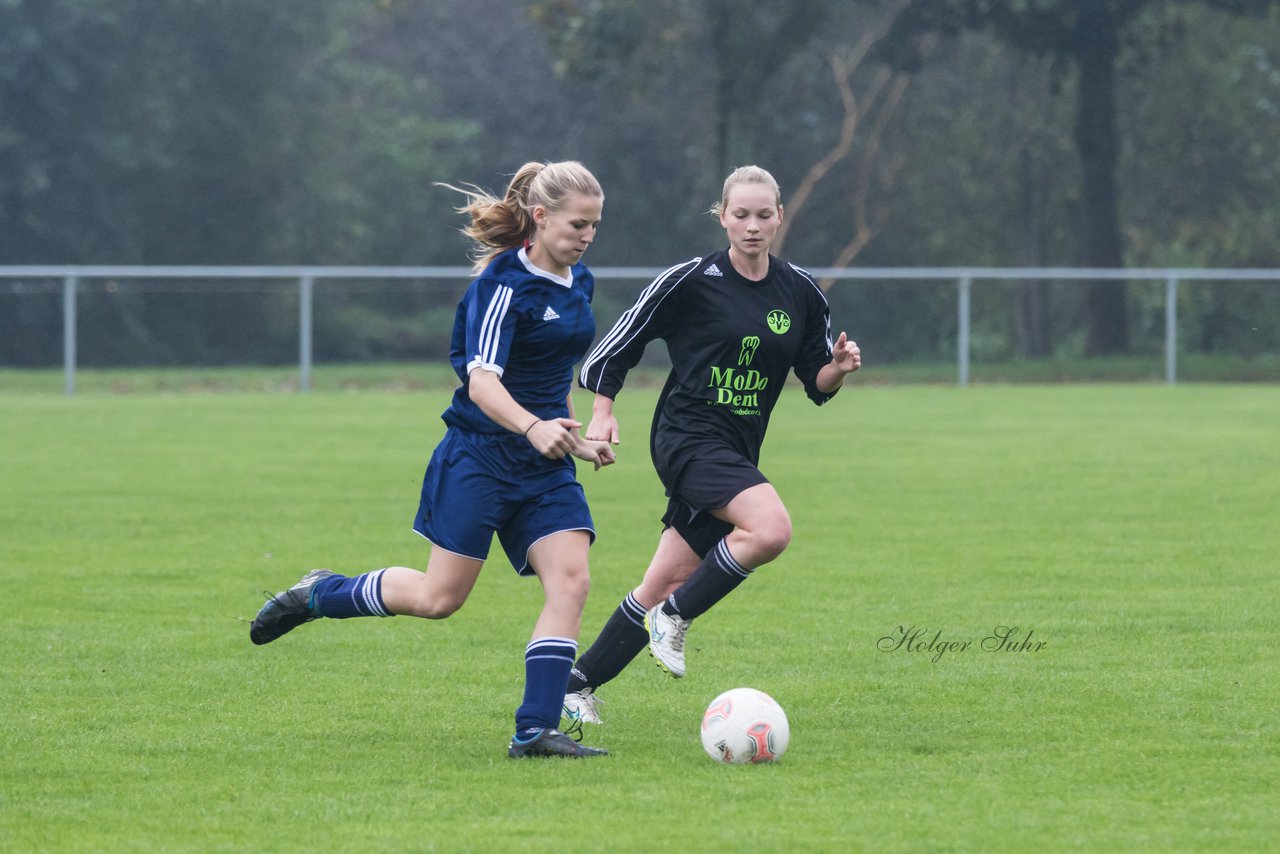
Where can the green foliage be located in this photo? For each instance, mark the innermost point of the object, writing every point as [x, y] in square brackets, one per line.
[1091, 36]
[1200, 177]
[736, 49]
[207, 133]
[178, 132]
[312, 131]
[1129, 528]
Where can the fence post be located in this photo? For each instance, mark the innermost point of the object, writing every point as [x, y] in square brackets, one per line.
[305, 286]
[69, 334]
[1171, 330]
[962, 338]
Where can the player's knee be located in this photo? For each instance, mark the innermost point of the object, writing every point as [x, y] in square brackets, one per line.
[575, 583]
[773, 535]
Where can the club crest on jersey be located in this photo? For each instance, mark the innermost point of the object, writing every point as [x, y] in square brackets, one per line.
[713, 270]
[550, 314]
[778, 321]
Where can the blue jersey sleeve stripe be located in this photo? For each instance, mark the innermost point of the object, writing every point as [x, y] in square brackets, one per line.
[626, 327]
[490, 337]
[491, 327]
[496, 336]
[484, 326]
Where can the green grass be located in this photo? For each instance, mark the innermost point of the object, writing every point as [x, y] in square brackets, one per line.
[389, 376]
[1132, 528]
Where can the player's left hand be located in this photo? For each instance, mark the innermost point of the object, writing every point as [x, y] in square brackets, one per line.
[845, 355]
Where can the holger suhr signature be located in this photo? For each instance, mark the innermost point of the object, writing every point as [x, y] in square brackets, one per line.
[921, 639]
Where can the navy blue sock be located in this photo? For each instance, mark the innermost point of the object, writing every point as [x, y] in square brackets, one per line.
[546, 673]
[340, 596]
[715, 578]
[621, 640]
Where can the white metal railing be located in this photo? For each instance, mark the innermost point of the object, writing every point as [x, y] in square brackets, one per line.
[964, 277]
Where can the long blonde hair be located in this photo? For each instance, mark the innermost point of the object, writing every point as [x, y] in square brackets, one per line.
[501, 224]
[746, 175]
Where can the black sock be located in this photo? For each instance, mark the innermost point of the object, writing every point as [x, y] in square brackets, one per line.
[621, 640]
[714, 579]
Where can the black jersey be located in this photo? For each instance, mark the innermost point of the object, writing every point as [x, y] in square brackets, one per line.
[732, 342]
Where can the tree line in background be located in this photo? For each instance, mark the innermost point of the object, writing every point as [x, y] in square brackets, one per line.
[904, 133]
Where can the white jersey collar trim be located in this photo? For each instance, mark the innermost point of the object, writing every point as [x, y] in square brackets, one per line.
[563, 281]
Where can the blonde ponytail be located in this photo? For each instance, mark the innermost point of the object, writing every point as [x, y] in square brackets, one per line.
[501, 224]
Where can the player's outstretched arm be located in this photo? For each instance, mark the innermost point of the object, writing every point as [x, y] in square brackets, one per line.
[845, 359]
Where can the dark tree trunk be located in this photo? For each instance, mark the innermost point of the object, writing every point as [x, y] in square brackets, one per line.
[1096, 141]
[1028, 296]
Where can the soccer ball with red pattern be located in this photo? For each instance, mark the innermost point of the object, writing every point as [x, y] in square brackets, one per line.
[745, 725]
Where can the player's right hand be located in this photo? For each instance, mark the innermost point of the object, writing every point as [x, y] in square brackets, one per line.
[554, 437]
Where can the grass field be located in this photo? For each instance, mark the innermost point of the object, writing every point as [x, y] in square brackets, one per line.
[413, 376]
[1130, 529]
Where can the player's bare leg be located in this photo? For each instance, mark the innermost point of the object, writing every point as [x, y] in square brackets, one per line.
[436, 593]
[762, 530]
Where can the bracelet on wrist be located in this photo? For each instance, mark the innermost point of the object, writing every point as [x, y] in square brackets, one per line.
[530, 427]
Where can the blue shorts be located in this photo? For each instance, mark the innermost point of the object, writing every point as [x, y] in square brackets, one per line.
[479, 483]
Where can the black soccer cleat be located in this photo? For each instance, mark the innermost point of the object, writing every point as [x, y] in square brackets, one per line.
[285, 611]
[551, 742]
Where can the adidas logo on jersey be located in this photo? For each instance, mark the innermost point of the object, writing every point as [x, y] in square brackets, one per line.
[713, 270]
[550, 314]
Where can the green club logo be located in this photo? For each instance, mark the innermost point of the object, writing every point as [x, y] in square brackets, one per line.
[749, 345]
[778, 321]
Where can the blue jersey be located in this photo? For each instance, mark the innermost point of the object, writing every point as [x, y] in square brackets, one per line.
[528, 326]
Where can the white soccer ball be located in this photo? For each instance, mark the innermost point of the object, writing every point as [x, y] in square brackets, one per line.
[745, 725]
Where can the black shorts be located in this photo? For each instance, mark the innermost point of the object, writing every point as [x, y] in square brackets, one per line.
[700, 479]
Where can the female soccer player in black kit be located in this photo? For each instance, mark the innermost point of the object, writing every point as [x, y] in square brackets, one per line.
[735, 323]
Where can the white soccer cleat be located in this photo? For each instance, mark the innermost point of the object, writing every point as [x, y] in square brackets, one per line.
[666, 640]
[582, 706]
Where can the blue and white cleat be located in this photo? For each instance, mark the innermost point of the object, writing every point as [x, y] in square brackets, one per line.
[550, 742]
[285, 611]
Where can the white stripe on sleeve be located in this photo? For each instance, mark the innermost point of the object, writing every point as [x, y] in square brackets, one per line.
[491, 327]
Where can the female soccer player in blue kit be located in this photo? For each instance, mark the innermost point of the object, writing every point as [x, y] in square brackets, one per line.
[735, 323]
[504, 462]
